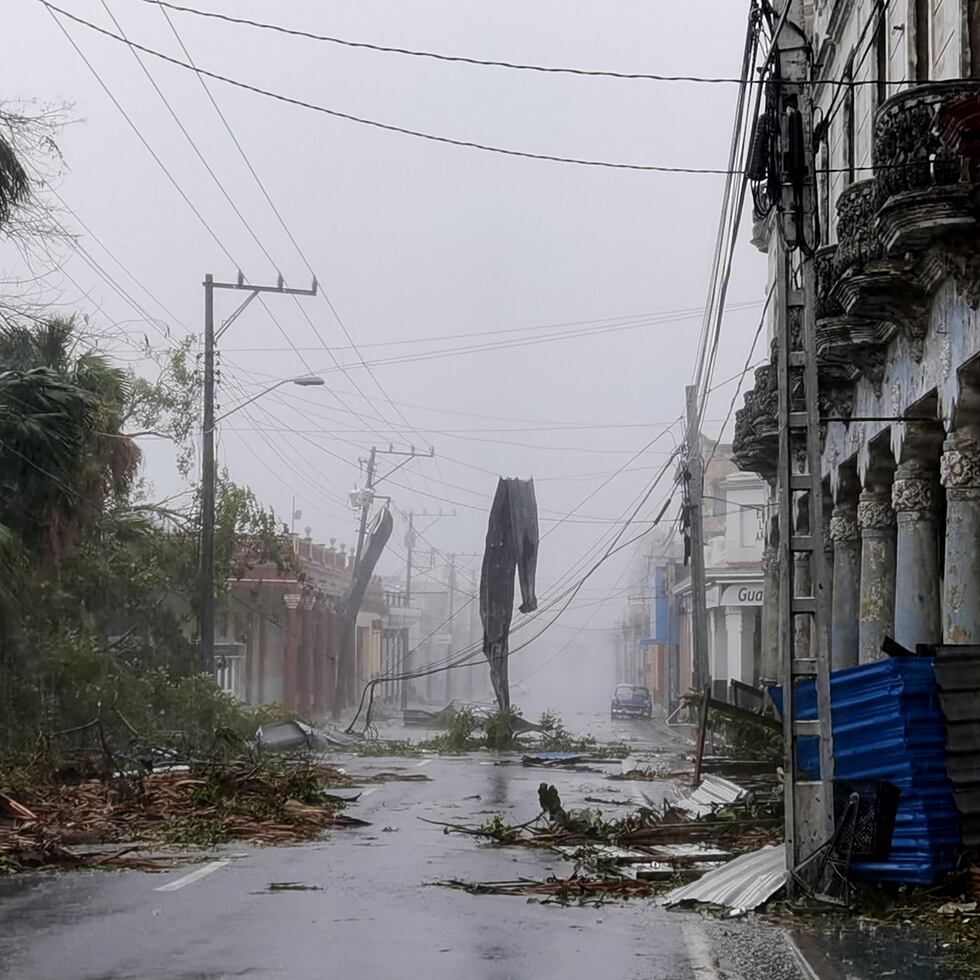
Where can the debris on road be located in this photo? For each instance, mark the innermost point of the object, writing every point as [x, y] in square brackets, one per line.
[563, 891]
[553, 759]
[711, 793]
[268, 801]
[288, 736]
[660, 849]
[741, 885]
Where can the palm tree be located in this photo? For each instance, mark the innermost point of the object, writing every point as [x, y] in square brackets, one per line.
[14, 185]
[61, 453]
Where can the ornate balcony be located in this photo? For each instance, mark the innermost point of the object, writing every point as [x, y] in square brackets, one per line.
[925, 177]
[858, 242]
[755, 446]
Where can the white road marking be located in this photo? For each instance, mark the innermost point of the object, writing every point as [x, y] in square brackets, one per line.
[424, 762]
[368, 791]
[703, 962]
[189, 879]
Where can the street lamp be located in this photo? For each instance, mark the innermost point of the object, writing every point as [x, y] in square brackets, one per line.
[306, 381]
[209, 492]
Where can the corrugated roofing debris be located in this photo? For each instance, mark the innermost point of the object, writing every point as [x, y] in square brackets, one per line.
[741, 885]
[888, 724]
[651, 863]
[712, 792]
[958, 676]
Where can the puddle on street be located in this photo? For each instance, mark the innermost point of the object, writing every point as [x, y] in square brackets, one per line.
[871, 951]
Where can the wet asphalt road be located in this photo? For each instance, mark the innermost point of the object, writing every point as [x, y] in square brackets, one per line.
[365, 910]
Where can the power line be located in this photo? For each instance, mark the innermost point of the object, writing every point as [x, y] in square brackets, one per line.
[457, 59]
[285, 227]
[54, 11]
[377, 124]
[602, 323]
[745, 371]
[217, 182]
[133, 46]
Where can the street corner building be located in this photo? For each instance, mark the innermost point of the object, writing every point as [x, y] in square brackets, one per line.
[897, 304]
[657, 650]
[279, 640]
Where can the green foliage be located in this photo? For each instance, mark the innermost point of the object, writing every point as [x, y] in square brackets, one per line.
[500, 729]
[467, 731]
[246, 535]
[557, 738]
[744, 740]
[498, 831]
[462, 726]
[14, 185]
[84, 557]
[103, 701]
[61, 454]
[169, 406]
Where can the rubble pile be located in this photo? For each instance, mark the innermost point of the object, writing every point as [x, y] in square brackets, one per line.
[637, 855]
[264, 801]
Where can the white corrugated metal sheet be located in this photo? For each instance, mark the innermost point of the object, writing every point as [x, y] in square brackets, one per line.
[712, 792]
[742, 884]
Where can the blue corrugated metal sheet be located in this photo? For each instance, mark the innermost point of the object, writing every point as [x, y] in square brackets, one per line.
[659, 612]
[888, 724]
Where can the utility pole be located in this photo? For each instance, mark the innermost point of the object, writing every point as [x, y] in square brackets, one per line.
[809, 815]
[208, 491]
[404, 666]
[693, 491]
[410, 538]
[208, 471]
[452, 612]
[368, 499]
[372, 480]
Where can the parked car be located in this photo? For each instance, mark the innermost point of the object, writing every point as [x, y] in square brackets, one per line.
[631, 701]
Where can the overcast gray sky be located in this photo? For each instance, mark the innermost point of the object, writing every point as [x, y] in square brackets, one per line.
[414, 239]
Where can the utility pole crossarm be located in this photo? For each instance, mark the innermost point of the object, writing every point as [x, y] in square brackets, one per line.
[282, 289]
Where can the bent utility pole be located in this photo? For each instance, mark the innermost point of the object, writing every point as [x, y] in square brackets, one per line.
[208, 474]
[368, 499]
[693, 492]
[808, 797]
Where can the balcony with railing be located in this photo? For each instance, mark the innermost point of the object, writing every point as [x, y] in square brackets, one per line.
[925, 168]
[898, 236]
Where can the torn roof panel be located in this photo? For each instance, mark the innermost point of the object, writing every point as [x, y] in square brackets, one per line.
[711, 793]
[742, 884]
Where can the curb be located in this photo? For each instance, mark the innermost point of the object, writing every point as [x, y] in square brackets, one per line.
[812, 964]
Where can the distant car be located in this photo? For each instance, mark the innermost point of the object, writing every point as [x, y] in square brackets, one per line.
[630, 701]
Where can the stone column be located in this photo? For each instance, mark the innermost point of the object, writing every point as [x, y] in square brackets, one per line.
[291, 672]
[915, 497]
[770, 667]
[844, 606]
[733, 641]
[960, 473]
[877, 610]
[717, 655]
[319, 662]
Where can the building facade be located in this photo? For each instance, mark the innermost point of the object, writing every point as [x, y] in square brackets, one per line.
[735, 507]
[278, 639]
[898, 327]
